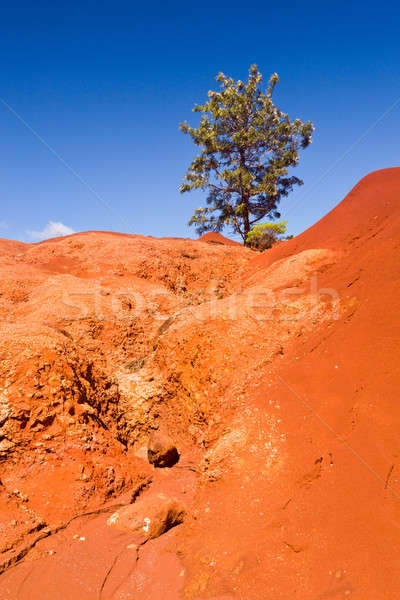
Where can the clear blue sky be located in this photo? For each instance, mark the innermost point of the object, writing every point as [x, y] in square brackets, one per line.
[106, 84]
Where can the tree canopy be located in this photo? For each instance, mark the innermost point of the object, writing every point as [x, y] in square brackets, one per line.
[247, 147]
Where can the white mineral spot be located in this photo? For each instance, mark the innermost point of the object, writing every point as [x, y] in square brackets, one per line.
[146, 525]
[113, 519]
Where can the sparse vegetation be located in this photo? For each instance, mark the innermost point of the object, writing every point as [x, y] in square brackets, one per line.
[248, 146]
[264, 235]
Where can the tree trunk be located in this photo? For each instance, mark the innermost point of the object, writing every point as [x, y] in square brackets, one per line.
[245, 202]
[245, 217]
[246, 222]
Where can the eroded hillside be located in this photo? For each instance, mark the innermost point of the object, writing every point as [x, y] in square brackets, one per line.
[275, 375]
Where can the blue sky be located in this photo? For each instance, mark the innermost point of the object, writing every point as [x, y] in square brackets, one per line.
[105, 86]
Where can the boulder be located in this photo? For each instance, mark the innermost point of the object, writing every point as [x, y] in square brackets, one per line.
[161, 450]
[148, 517]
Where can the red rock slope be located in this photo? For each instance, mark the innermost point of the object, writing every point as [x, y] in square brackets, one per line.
[276, 374]
[213, 237]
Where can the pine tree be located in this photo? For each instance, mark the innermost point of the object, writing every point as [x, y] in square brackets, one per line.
[248, 146]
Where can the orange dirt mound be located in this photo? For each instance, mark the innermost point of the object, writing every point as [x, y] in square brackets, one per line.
[213, 237]
[276, 375]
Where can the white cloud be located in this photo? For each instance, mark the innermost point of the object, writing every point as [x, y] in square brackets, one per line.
[3, 225]
[52, 229]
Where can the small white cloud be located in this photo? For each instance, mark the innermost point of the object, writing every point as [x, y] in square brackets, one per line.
[3, 225]
[52, 229]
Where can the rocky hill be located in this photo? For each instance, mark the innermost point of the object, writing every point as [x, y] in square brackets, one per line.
[190, 419]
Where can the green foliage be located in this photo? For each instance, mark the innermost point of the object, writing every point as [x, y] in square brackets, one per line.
[248, 146]
[264, 235]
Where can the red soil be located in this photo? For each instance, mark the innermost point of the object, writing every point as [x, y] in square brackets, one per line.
[276, 374]
[212, 237]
